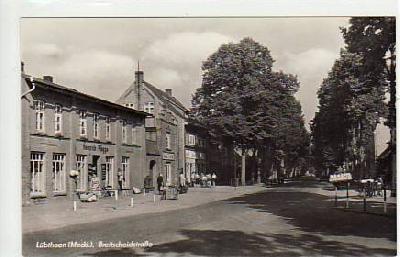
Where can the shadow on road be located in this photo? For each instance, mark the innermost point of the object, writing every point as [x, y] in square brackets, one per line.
[314, 213]
[237, 243]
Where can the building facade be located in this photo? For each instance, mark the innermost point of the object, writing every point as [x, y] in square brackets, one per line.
[64, 130]
[195, 150]
[165, 128]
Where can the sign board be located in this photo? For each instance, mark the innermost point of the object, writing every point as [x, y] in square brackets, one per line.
[340, 177]
[93, 148]
[168, 156]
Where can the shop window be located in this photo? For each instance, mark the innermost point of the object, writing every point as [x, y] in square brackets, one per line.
[58, 119]
[82, 123]
[39, 115]
[37, 173]
[108, 129]
[96, 126]
[109, 171]
[59, 173]
[125, 172]
[81, 166]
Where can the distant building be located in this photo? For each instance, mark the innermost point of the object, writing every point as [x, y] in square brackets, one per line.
[196, 141]
[64, 130]
[165, 128]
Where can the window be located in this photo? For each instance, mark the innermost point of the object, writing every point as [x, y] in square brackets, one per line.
[149, 107]
[108, 129]
[58, 119]
[96, 126]
[82, 168]
[168, 140]
[151, 135]
[82, 124]
[59, 172]
[129, 105]
[191, 140]
[37, 173]
[39, 115]
[168, 173]
[124, 135]
[109, 171]
[134, 134]
[125, 172]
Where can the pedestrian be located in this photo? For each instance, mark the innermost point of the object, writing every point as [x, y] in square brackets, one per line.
[181, 180]
[192, 179]
[213, 179]
[120, 180]
[197, 179]
[160, 182]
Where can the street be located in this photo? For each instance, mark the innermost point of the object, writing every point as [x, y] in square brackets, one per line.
[280, 221]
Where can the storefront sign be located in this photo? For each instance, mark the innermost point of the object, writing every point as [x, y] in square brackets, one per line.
[101, 148]
[168, 156]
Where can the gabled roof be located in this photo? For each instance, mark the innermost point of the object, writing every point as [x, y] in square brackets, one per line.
[61, 89]
[163, 95]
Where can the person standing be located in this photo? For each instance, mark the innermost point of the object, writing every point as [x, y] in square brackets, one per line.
[182, 180]
[160, 182]
[213, 179]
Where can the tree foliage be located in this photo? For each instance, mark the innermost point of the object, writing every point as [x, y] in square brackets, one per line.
[243, 101]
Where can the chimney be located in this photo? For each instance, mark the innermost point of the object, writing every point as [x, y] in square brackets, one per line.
[168, 91]
[139, 79]
[48, 78]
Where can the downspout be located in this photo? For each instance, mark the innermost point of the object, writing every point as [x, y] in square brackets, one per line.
[30, 90]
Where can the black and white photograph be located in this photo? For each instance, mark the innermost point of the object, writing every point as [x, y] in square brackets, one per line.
[208, 136]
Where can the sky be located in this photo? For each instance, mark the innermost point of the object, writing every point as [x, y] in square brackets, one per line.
[99, 56]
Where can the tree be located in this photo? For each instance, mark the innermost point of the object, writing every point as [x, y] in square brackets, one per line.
[242, 101]
[349, 109]
[374, 39]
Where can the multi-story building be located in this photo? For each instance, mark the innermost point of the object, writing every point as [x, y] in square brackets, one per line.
[195, 149]
[64, 130]
[165, 128]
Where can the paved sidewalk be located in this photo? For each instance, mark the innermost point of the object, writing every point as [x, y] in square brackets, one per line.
[327, 189]
[57, 213]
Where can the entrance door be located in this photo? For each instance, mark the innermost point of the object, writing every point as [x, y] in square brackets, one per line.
[152, 171]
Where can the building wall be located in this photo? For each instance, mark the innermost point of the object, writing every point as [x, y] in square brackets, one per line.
[195, 151]
[70, 143]
[168, 118]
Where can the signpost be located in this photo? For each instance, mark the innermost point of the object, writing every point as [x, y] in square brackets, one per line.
[341, 178]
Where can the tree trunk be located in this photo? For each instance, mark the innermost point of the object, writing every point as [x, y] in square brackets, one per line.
[243, 167]
[258, 168]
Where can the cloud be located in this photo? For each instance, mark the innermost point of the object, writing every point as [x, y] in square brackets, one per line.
[46, 50]
[182, 49]
[99, 73]
[311, 67]
[175, 61]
